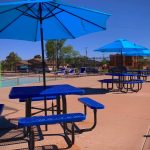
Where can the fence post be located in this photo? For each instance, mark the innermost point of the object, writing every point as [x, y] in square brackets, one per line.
[17, 81]
[39, 79]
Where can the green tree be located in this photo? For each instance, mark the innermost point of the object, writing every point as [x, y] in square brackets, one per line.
[11, 60]
[77, 62]
[142, 62]
[37, 57]
[69, 54]
[2, 65]
[60, 54]
[104, 61]
[54, 51]
[68, 51]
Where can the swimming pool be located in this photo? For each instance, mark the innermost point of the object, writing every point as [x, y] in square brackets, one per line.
[23, 80]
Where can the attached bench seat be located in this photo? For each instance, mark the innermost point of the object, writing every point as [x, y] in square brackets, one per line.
[53, 119]
[108, 83]
[133, 81]
[94, 105]
[133, 85]
[123, 85]
[91, 103]
[1, 108]
[144, 76]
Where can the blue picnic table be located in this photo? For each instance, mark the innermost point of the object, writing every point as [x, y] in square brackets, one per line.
[29, 93]
[124, 81]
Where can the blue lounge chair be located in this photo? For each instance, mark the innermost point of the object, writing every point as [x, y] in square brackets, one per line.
[82, 71]
[61, 72]
[71, 72]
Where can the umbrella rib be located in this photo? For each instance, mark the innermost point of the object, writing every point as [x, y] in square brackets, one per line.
[13, 20]
[17, 8]
[36, 30]
[49, 11]
[64, 27]
[78, 16]
[61, 23]
[11, 9]
[36, 17]
[51, 15]
[28, 15]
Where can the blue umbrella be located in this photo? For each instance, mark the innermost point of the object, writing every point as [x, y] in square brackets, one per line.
[35, 20]
[120, 46]
[39, 20]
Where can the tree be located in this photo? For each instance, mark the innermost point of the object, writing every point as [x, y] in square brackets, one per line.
[53, 51]
[68, 51]
[37, 57]
[11, 60]
[104, 61]
[142, 62]
[69, 54]
[2, 63]
[60, 54]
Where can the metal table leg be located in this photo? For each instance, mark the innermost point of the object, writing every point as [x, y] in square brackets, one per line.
[58, 105]
[28, 107]
[64, 104]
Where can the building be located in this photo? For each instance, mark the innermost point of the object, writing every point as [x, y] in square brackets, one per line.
[131, 62]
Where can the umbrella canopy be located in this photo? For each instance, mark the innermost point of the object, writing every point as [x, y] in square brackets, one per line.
[35, 20]
[120, 46]
[22, 20]
[144, 53]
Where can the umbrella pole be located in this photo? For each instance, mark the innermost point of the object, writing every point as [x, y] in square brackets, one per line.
[121, 59]
[43, 61]
[121, 62]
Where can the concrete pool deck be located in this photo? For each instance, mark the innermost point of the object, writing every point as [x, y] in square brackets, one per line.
[122, 125]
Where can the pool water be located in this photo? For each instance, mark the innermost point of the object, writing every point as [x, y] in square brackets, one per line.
[22, 80]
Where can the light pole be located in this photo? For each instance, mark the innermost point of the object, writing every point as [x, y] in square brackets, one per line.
[86, 56]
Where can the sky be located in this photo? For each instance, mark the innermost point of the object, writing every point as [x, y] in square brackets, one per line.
[130, 20]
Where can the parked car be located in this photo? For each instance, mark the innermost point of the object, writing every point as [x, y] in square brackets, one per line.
[119, 69]
[40, 70]
[91, 70]
[23, 69]
[88, 70]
